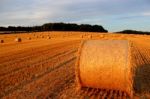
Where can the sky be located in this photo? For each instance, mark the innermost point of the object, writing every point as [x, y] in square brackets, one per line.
[113, 15]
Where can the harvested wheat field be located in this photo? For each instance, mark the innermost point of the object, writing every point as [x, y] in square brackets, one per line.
[43, 65]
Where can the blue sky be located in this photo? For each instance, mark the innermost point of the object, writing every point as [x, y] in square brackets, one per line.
[114, 15]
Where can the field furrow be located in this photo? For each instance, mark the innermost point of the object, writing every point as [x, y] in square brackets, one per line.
[26, 74]
[25, 53]
[141, 57]
[43, 82]
[32, 61]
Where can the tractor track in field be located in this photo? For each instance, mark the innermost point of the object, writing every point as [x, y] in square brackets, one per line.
[16, 55]
[30, 55]
[13, 76]
[16, 78]
[38, 77]
[37, 62]
[91, 93]
[141, 68]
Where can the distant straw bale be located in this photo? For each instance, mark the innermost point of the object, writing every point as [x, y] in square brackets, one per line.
[18, 40]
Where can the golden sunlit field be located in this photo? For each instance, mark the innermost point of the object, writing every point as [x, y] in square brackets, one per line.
[42, 65]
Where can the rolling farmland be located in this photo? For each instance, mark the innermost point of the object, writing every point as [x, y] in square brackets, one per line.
[42, 65]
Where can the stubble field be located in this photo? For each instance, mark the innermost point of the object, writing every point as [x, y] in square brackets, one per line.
[42, 65]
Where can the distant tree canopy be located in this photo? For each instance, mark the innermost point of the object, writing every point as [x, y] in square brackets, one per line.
[57, 27]
[133, 32]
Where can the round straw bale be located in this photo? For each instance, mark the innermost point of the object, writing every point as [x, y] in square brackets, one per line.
[89, 36]
[82, 36]
[101, 36]
[1, 41]
[29, 38]
[18, 40]
[105, 64]
[48, 37]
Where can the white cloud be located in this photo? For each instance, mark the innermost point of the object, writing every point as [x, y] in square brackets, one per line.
[146, 14]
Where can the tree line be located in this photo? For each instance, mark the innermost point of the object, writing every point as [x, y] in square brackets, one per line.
[134, 32]
[57, 27]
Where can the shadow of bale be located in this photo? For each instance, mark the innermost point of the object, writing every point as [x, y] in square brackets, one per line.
[141, 80]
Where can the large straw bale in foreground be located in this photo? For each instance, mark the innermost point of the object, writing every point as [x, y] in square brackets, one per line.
[105, 64]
